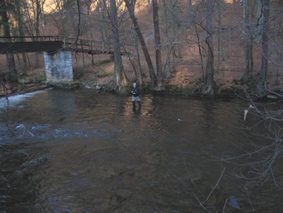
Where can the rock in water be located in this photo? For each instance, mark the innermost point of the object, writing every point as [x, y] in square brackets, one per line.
[272, 97]
[233, 202]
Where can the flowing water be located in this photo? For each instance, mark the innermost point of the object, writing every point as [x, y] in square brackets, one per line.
[80, 151]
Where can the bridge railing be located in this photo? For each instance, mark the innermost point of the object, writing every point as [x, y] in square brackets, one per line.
[46, 42]
[83, 45]
[29, 38]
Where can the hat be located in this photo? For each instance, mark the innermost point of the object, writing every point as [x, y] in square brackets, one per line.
[134, 84]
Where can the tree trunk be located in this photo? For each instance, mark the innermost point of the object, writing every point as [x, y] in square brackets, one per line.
[143, 45]
[21, 33]
[175, 28]
[6, 29]
[246, 73]
[209, 72]
[176, 22]
[264, 64]
[259, 20]
[102, 28]
[38, 12]
[219, 36]
[79, 21]
[105, 31]
[189, 8]
[160, 78]
[118, 75]
[168, 52]
[199, 49]
[138, 58]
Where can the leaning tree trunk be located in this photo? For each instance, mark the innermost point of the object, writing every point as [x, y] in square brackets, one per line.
[119, 75]
[160, 78]
[209, 72]
[264, 62]
[143, 45]
[5, 22]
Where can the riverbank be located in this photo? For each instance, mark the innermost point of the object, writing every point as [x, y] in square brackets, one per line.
[17, 88]
[101, 82]
[186, 80]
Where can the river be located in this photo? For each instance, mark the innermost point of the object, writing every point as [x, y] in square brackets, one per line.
[82, 151]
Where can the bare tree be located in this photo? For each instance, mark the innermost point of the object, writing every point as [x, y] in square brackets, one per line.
[119, 75]
[140, 72]
[219, 43]
[143, 45]
[21, 29]
[38, 14]
[247, 73]
[5, 22]
[259, 19]
[189, 8]
[260, 90]
[209, 72]
[79, 21]
[160, 78]
[167, 63]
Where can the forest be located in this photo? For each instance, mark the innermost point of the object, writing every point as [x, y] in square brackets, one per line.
[82, 151]
[201, 47]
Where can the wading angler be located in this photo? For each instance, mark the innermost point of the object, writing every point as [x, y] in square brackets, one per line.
[135, 92]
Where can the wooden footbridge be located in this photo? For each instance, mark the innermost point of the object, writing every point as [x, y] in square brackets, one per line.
[51, 44]
[57, 52]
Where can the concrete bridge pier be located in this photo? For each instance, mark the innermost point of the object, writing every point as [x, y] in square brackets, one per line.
[58, 67]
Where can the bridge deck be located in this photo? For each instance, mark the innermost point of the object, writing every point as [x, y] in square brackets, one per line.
[49, 44]
[35, 46]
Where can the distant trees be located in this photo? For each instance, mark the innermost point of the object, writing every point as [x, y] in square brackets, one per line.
[6, 31]
[184, 31]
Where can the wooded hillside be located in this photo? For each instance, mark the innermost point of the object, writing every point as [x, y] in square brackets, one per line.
[205, 45]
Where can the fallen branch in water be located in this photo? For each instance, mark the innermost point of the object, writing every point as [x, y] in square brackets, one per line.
[217, 183]
[215, 186]
[191, 179]
[256, 166]
[223, 210]
[250, 199]
[200, 203]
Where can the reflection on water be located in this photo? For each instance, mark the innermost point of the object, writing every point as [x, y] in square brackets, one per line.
[79, 151]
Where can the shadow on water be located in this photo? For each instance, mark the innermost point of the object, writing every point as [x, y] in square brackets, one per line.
[79, 151]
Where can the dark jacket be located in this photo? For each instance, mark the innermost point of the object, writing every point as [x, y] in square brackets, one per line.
[136, 91]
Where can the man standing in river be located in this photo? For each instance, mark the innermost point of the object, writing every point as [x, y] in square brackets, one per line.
[135, 92]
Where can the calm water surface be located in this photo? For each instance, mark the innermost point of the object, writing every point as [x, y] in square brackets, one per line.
[79, 151]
